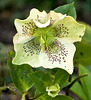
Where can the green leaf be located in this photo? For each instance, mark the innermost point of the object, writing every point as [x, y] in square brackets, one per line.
[61, 76]
[40, 85]
[68, 9]
[19, 74]
[83, 54]
[86, 81]
[41, 80]
[77, 87]
[45, 77]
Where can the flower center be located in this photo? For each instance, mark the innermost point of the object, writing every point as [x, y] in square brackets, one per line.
[46, 35]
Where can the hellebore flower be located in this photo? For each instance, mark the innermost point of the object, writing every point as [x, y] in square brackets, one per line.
[53, 90]
[47, 40]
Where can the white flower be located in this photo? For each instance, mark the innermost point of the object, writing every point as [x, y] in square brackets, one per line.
[47, 40]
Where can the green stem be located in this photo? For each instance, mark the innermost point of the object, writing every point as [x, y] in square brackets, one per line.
[24, 96]
[70, 78]
[32, 98]
[73, 82]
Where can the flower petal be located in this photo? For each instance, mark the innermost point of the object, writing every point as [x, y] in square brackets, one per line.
[62, 17]
[27, 53]
[69, 29]
[40, 25]
[60, 56]
[38, 16]
[26, 26]
[20, 39]
[54, 16]
[41, 19]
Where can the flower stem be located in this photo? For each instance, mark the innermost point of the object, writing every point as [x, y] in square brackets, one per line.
[73, 82]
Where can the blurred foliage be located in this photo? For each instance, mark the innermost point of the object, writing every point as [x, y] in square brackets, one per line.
[83, 54]
[4, 51]
[19, 8]
[24, 6]
[83, 49]
[4, 70]
[84, 86]
[87, 35]
[20, 4]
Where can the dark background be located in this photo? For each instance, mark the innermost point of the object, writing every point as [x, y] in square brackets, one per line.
[11, 9]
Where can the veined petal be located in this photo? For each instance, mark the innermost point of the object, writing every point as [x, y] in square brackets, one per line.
[20, 39]
[69, 29]
[27, 53]
[60, 56]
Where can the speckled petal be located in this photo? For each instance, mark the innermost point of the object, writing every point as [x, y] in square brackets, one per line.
[25, 27]
[69, 29]
[60, 56]
[28, 26]
[27, 53]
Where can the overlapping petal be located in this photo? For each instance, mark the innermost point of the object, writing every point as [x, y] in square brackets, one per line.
[41, 19]
[54, 16]
[20, 39]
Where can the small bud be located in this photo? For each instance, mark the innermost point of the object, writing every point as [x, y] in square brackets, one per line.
[53, 90]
